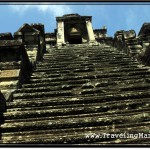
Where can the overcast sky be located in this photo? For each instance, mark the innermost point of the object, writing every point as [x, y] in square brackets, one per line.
[114, 17]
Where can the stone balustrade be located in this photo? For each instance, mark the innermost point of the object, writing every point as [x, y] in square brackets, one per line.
[127, 42]
[135, 46]
[18, 56]
[14, 66]
[144, 40]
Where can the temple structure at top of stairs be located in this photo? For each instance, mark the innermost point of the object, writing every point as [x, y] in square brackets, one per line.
[74, 29]
[74, 85]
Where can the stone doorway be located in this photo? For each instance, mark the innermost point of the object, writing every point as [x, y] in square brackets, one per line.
[74, 36]
[74, 29]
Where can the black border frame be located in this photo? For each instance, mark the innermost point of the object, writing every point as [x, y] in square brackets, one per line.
[84, 2]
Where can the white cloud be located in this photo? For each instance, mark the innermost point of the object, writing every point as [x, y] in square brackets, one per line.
[56, 10]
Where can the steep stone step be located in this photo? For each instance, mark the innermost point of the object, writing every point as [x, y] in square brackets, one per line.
[79, 135]
[76, 71]
[46, 89]
[54, 83]
[97, 85]
[82, 101]
[43, 94]
[109, 96]
[47, 64]
[99, 60]
[93, 130]
[77, 122]
[54, 114]
[100, 75]
[76, 91]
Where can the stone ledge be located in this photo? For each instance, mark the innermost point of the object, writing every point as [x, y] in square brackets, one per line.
[9, 84]
[9, 74]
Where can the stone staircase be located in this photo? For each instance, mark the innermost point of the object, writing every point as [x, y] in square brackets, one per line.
[79, 91]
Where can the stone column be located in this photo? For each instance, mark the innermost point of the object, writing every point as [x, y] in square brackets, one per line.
[60, 33]
[90, 31]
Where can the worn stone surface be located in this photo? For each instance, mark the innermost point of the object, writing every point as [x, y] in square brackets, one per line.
[144, 55]
[14, 66]
[144, 40]
[9, 84]
[76, 92]
[9, 74]
[129, 34]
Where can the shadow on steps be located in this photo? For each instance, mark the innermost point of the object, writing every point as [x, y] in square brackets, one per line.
[2, 110]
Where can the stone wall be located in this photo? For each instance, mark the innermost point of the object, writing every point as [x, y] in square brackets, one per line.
[50, 39]
[14, 67]
[101, 36]
[18, 55]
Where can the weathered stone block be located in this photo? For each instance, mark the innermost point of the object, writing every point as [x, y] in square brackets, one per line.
[10, 50]
[9, 74]
[119, 33]
[144, 55]
[99, 33]
[38, 26]
[135, 47]
[10, 65]
[32, 54]
[9, 84]
[129, 34]
[6, 36]
[50, 39]
[18, 36]
[145, 44]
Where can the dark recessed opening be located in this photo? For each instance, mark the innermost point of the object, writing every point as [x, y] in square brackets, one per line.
[75, 40]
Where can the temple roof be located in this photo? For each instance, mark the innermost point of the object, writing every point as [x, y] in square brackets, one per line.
[145, 29]
[70, 17]
[27, 28]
